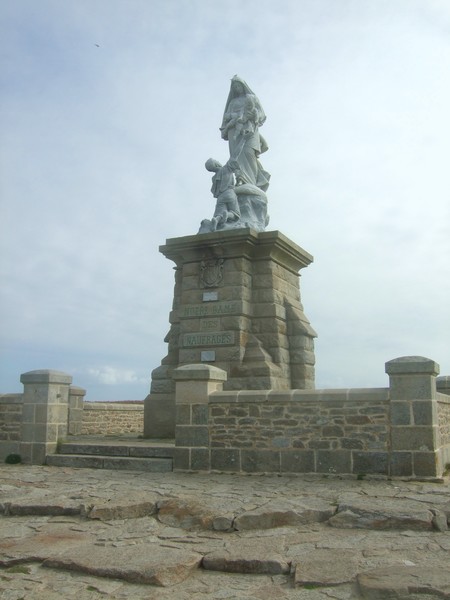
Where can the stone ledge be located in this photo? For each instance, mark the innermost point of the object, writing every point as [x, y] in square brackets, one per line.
[351, 395]
[199, 372]
[11, 398]
[410, 365]
[45, 376]
[104, 406]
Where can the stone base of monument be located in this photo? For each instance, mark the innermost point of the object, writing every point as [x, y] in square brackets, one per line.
[236, 306]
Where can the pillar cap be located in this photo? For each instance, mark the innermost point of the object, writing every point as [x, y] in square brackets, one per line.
[443, 383]
[199, 372]
[409, 365]
[45, 376]
[77, 391]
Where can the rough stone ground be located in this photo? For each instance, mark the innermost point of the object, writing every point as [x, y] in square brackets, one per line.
[90, 534]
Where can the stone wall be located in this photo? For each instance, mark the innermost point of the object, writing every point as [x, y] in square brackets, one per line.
[112, 418]
[402, 430]
[443, 406]
[50, 410]
[10, 422]
[322, 431]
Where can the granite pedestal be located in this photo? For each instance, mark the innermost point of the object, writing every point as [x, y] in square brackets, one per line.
[237, 307]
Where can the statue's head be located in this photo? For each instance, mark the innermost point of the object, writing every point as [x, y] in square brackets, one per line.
[238, 86]
[212, 165]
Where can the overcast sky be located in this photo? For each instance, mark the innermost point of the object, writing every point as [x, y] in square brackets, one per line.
[110, 109]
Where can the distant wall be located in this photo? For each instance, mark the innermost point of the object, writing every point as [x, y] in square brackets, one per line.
[443, 406]
[51, 409]
[109, 418]
[10, 423]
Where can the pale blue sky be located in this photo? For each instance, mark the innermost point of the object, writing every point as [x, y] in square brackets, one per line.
[102, 154]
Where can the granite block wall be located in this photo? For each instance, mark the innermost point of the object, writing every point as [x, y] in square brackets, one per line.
[400, 430]
[112, 418]
[10, 424]
[19, 436]
[338, 431]
[334, 431]
[443, 410]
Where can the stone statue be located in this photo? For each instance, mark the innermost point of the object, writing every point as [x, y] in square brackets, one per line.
[240, 185]
[242, 119]
[223, 184]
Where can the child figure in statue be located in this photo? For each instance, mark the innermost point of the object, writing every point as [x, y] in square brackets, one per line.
[223, 182]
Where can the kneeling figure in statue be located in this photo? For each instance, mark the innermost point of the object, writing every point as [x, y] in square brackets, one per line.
[223, 181]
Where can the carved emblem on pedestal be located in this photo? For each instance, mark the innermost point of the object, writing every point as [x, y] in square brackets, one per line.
[211, 272]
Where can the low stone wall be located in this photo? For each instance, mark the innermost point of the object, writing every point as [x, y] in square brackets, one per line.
[443, 406]
[112, 418]
[333, 431]
[10, 423]
[401, 430]
[51, 409]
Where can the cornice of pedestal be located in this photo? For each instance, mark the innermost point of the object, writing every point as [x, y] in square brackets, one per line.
[236, 243]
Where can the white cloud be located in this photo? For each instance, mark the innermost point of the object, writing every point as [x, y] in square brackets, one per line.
[113, 376]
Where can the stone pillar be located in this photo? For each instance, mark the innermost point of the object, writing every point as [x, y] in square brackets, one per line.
[194, 384]
[44, 413]
[76, 403]
[237, 306]
[414, 420]
[443, 385]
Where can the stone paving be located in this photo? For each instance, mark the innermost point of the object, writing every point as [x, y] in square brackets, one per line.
[90, 534]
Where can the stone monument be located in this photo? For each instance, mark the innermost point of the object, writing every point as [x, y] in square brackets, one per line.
[236, 299]
[240, 184]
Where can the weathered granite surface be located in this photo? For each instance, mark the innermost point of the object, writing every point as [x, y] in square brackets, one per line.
[72, 533]
[236, 306]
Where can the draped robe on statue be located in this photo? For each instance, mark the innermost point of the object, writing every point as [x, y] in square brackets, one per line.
[240, 126]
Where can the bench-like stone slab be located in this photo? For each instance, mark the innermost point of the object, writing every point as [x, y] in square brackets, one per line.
[133, 509]
[382, 513]
[254, 555]
[141, 563]
[44, 507]
[280, 514]
[403, 582]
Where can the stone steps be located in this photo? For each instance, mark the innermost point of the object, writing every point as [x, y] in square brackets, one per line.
[103, 454]
[154, 465]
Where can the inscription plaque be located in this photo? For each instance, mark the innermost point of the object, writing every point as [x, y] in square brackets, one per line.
[209, 324]
[212, 338]
[210, 309]
[210, 296]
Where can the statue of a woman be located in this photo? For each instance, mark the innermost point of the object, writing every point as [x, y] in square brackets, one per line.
[242, 119]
